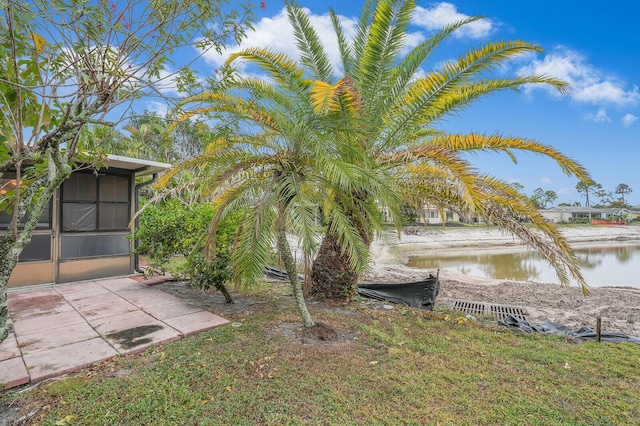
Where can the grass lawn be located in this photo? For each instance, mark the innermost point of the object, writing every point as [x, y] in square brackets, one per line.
[400, 366]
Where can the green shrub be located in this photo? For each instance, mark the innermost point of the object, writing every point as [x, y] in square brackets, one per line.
[580, 220]
[173, 229]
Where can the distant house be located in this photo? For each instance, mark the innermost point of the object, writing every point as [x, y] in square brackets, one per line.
[634, 213]
[570, 214]
[83, 234]
[432, 215]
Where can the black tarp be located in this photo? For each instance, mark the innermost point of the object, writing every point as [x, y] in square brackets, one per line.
[279, 274]
[419, 294]
[555, 328]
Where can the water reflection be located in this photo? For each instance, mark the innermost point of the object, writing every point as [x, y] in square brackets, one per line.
[600, 265]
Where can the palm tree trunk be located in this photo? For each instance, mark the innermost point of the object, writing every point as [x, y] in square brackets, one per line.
[290, 267]
[332, 276]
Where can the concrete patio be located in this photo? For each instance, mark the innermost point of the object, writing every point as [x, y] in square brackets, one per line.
[64, 328]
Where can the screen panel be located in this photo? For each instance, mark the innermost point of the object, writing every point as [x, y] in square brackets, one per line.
[92, 245]
[39, 248]
[113, 216]
[80, 187]
[77, 217]
[114, 188]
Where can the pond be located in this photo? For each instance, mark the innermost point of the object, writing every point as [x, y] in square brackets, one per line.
[616, 265]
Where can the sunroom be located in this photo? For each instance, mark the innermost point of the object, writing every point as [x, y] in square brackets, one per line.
[84, 234]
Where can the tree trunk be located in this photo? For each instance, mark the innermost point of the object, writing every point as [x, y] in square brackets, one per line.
[5, 329]
[290, 267]
[223, 289]
[36, 196]
[332, 276]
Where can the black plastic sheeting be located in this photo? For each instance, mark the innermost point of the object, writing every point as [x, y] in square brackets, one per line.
[553, 328]
[279, 274]
[419, 294]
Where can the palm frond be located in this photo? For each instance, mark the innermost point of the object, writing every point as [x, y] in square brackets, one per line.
[312, 52]
[454, 100]
[424, 93]
[362, 29]
[342, 96]
[224, 204]
[263, 92]
[496, 142]
[504, 207]
[505, 212]
[430, 160]
[413, 61]
[255, 240]
[349, 239]
[303, 214]
[346, 50]
[385, 39]
[279, 66]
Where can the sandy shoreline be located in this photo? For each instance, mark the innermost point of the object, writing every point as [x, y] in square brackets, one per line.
[619, 307]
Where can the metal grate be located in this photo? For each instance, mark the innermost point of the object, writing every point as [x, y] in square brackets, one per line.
[499, 311]
[469, 307]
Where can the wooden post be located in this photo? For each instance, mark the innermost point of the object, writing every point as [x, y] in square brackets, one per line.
[598, 328]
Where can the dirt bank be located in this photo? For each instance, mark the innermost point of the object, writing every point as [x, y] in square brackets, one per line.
[619, 307]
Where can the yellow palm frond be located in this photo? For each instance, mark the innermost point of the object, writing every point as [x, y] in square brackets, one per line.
[496, 142]
[323, 97]
[330, 98]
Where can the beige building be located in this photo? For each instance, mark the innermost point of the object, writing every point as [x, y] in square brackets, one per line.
[570, 214]
[433, 216]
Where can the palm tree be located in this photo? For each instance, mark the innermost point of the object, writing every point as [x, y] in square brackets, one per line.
[277, 167]
[396, 111]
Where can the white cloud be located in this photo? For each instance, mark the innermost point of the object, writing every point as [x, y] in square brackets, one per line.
[587, 83]
[628, 120]
[545, 179]
[606, 92]
[599, 117]
[158, 107]
[441, 14]
[277, 34]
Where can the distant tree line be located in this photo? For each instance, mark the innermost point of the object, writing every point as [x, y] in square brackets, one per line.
[543, 199]
[606, 198]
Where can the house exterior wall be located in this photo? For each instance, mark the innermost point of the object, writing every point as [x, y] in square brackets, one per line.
[554, 216]
[576, 214]
[432, 216]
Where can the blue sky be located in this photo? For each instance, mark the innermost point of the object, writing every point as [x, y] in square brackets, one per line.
[595, 46]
